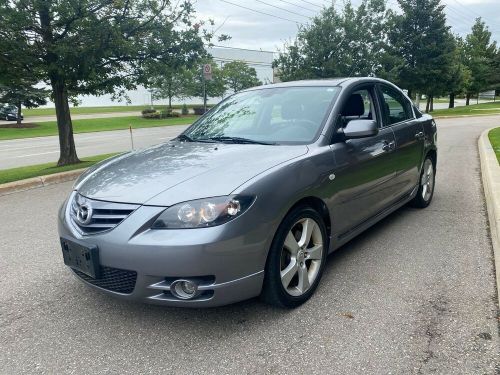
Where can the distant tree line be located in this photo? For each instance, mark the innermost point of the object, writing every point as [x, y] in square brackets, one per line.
[413, 48]
[167, 82]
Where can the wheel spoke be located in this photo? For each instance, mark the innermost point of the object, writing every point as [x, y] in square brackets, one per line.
[291, 243]
[315, 252]
[289, 272]
[303, 284]
[424, 191]
[307, 228]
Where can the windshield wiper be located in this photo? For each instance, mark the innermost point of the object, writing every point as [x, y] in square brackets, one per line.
[185, 138]
[240, 140]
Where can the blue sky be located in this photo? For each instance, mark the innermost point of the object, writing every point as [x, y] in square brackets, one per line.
[250, 29]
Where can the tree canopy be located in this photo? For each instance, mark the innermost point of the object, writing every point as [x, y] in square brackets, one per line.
[413, 47]
[337, 44]
[238, 75]
[93, 47]
[480, 55]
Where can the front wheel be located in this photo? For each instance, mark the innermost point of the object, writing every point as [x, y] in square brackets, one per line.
[426, 185]
[296, 258]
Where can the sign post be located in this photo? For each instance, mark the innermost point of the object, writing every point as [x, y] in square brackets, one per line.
[206, 76]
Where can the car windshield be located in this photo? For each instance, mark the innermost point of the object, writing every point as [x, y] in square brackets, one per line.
[271, 116]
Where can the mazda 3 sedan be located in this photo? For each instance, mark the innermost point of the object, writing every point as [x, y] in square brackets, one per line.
[250, 199]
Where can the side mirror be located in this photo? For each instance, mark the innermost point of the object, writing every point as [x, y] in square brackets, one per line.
[360, 129]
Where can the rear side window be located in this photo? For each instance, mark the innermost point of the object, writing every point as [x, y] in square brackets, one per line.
[396, 106]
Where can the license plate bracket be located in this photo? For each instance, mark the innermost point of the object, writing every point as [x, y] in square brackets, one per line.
[81, 258]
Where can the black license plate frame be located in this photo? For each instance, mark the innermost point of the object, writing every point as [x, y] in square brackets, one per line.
[82, 258]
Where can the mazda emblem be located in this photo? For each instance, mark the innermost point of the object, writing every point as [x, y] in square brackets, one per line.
[84, 214]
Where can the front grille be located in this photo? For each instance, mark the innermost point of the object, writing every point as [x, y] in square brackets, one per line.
[114, 279]
[92, 216]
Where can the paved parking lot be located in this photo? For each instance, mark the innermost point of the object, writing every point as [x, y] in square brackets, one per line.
[413, 295]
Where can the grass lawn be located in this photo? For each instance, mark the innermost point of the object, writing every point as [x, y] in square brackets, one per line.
[90, 110]
[93, 125]
[494, 136]
[21, 173]
[470, 110]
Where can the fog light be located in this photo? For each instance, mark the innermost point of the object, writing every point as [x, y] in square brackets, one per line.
[184, 289]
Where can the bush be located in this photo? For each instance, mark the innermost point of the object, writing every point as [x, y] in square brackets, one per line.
[148, 110]
[169, 113]
[152, 115]
[185, 110]
[198, 110]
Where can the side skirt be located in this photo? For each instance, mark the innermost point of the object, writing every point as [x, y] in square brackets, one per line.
[345, 237]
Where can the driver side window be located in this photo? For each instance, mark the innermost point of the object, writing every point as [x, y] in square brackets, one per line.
[359, 105]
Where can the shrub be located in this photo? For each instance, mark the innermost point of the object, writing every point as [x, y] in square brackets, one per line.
[198, 110]
[169, 113]
[148, 110]
[152, 115]
[185, 110]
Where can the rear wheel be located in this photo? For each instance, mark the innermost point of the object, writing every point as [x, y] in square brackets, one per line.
[426, 185]
[296, 258]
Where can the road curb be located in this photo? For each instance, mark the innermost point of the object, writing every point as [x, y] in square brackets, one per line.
[490, 171]
[38, 182]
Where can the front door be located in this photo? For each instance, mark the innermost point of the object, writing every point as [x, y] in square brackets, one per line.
[365, 170]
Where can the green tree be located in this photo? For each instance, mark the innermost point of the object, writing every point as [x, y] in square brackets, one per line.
[23, 93]
[172, 83]
[346, 43]
[480, 58]
[459, 77]
[93, 47]
[238, 76]
[423, 40]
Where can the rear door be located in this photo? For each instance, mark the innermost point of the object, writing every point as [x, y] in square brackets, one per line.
[363, 182]
[409, 134]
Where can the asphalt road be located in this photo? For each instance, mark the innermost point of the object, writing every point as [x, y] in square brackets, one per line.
[83, 116]
[415, 294]
[29, 151]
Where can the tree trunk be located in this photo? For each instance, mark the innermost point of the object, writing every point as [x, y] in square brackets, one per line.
[169, 102]
[19, 114]
[467, 99]
[452, 100]
[417, 100]
[432, 104]
[66, 140]
[409, 94]
[427, 104]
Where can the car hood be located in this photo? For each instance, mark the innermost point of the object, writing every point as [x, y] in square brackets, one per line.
[179, 171]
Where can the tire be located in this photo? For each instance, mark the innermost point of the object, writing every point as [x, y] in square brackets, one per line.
[303, 258]
[426, 185]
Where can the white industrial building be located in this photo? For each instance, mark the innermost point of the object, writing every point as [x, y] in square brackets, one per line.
[260, 60]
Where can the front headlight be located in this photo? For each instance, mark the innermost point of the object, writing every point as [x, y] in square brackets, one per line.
[203, 213]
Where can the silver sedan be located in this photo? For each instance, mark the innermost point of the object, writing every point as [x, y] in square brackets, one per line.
[250, 199]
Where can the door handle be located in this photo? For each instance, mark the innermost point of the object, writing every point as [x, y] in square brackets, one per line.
[389, 146]
[420, 135]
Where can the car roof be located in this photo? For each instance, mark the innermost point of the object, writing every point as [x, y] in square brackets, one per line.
[341, 81]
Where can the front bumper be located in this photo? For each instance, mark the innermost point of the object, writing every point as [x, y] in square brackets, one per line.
[226, 261]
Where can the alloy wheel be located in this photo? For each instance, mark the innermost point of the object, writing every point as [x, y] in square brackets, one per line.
[301, 256]
[427, 180]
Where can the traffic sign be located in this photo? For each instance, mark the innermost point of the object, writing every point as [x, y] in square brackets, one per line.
[207, 72]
